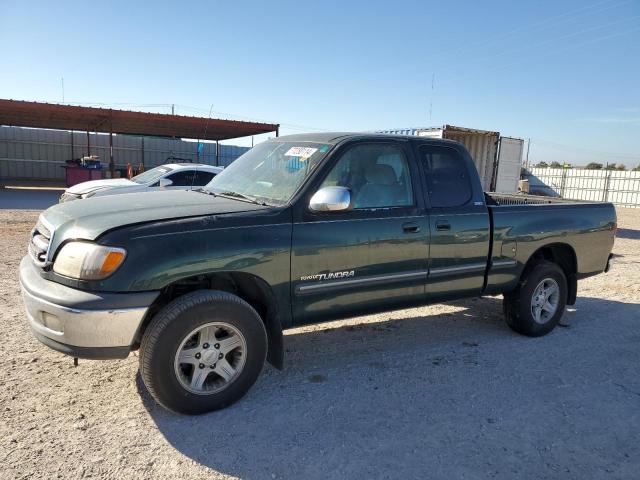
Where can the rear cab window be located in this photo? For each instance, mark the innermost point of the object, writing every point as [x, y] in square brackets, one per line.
[447, 177]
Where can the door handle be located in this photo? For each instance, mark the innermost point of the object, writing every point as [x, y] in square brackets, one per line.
[443, 225]
[410, 228]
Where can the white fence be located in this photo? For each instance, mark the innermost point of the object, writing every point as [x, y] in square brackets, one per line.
[619, 188]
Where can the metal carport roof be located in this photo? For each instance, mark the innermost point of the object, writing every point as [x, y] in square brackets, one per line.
[70, 117]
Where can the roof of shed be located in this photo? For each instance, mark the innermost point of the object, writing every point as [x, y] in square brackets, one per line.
[71, 117]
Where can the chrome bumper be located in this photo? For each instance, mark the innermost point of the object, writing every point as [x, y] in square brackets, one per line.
[79, 323]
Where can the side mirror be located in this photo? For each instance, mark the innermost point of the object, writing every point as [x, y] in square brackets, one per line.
[331, 199]
[165, 182]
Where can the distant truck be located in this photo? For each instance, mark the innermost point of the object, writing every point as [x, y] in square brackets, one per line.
[300, 229]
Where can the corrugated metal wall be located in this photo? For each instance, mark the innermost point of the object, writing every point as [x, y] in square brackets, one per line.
[619, 188]
[38, 154]
[482, 148]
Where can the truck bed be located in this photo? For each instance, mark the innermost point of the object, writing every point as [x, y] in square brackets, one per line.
[521, 224]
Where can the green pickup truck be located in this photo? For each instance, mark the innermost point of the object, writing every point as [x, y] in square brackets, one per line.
[300, 229]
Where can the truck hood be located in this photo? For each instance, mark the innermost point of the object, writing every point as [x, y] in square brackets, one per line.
[86, 187]
[92, 217]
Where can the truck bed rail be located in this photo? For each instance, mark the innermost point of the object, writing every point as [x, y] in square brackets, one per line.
[522, 199]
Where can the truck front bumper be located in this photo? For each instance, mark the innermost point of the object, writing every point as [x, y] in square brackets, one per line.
[82, 324]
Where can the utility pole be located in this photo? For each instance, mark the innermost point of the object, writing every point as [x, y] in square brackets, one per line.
[173, 106]
[528, 146]
[433, 79]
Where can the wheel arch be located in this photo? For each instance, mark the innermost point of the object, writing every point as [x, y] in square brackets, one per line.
[563, 255]
[251, 288]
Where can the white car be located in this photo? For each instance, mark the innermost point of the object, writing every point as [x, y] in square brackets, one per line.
[172, 176]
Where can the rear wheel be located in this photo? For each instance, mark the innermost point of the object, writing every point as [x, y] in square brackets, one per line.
[537, 305]
[202, 352]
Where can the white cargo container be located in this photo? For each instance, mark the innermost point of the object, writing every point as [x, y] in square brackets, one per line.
[509, 165]
[498, 163]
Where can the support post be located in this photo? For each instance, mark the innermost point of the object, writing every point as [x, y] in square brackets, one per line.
[112, 166]
[278, 131]
[88, 144]
[217, 153]
[605, 193]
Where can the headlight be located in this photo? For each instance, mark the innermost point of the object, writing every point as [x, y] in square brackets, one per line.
[88, 261]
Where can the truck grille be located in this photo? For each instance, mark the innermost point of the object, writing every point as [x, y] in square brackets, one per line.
[39, 243]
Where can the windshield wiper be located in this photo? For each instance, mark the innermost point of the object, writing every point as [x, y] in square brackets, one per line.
[206, 192]
[242, 196]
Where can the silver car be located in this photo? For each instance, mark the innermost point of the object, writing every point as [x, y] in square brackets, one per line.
[172, 176]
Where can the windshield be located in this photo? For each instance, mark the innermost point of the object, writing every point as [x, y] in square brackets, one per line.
[270, 172]
[152, 175]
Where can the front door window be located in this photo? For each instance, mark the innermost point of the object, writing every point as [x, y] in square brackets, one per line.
[377, 176]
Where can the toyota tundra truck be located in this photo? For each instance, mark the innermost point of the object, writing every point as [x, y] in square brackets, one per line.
[300, 229]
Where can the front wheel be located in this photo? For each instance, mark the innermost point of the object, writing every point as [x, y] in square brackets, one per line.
[202, 352]
[537, 305]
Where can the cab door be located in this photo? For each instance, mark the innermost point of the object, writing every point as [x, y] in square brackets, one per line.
[459, 222]
[372, 257]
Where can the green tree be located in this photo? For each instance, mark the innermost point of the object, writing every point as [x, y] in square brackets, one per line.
[622, 167]
[594, 166]
[610, 166]
[637, 169]
[555, 165]
[542, 165]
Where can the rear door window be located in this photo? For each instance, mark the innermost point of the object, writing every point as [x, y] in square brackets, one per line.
[448, 182]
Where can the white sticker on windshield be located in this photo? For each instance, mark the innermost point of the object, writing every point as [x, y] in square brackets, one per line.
[302, 152]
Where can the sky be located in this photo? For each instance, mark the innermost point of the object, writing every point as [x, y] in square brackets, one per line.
[564, 74]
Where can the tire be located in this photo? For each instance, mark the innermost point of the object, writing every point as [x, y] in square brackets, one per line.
[521, 305]
[175, 376]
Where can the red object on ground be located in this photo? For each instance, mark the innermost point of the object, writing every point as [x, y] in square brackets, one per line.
[75, 175]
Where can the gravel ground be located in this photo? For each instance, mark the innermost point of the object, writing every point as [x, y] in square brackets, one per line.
[445, 391]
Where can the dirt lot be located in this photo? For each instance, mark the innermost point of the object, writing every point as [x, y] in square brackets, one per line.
[446, 391]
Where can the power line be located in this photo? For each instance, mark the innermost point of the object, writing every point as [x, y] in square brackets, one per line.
[548, 41]
[560, 50]
[551, 21]
[252, 119]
